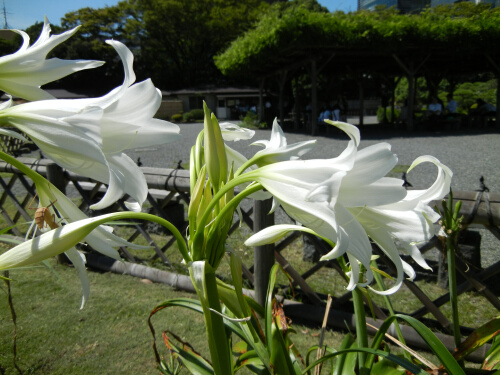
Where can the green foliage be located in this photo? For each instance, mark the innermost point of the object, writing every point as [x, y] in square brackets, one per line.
[466, 93]
[120, 22]
[251, 120]
[8, 46]
[310, 33]
[177, 117]
[387, 114]
[182, 36]
[193, 115]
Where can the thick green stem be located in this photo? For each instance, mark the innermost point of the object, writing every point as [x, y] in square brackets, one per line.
[361, 332]
[205, 283]
[197, 242]
[452, 281]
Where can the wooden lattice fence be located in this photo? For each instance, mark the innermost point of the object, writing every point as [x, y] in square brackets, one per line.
[168, 196]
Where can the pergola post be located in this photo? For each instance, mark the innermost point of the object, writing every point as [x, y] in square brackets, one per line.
[411, 101]
[282, 82]
[410, 71]
[297, 105]
[314, 98]
[361, 99]
[261, 99]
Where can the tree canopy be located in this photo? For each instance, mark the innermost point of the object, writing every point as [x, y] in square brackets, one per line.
[454, 39]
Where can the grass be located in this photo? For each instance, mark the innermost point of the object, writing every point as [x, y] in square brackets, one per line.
[109, 336]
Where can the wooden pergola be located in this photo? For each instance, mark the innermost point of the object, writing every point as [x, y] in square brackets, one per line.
[337, 44]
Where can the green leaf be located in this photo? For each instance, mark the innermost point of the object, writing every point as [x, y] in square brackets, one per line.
[347, 361]
[5, 230]
[387, 367]
[478, 338]
[11, 239]
[430, 338]
[398, 360]
[492, 361]
[194, 362]
[251, 360]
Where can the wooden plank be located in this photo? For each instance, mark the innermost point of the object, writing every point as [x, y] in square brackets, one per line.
[308, 291]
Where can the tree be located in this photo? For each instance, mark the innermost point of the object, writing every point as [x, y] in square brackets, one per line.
[182, 36]
[120, 22]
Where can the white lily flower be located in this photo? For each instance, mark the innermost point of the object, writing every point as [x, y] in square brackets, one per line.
[89, 136]
[52, 243]
[101, 238]
[347, 200]
[277, 149]
[233, 132]
[23, 72]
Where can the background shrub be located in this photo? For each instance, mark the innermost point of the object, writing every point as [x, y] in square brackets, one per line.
[193, 115]
[177, 117]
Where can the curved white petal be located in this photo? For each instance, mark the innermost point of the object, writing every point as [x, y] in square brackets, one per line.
[88, 136]
[439, 188]
[272, 234]
[382, 192]
[13, 134]
[6, 104]
[351, 130]
[386, 244]
[233, 132]
[78, 260]
[125, 177]
[129, 76]
[22, 72]
[408, 226]
[372, 163]
[277, 149]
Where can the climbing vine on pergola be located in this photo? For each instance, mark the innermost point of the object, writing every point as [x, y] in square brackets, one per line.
[286, 43]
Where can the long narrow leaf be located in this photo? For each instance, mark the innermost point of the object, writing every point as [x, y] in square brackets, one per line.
[492, 361]
[347, 342]
[194, 362]
[430, 338]
[269, 302]
[414, 369]
[478, 338]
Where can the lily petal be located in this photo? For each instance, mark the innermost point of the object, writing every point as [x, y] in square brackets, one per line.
[23, 72]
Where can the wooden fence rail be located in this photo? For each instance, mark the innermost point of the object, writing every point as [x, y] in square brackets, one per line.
[169, 189]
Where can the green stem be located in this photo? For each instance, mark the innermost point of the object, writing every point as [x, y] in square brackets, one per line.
[155, 219]
[36, 177]
[244, 167]
[198, 239]
[452, 281]
[229, 210]
[388, 303]
[218, 340]
[361, 332]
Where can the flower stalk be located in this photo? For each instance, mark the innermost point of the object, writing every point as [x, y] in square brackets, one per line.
[451, 227]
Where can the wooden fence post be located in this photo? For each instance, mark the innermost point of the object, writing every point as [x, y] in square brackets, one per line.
[263, 255]
[55, 175]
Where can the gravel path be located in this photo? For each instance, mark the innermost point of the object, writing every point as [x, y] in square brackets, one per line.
[470, 155]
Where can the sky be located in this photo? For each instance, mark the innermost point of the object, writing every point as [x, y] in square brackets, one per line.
[23, 13]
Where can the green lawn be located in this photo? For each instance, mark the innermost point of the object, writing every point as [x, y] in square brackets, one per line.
[109, 336]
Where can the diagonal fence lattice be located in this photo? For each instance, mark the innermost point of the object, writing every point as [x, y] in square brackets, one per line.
[168, 197]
